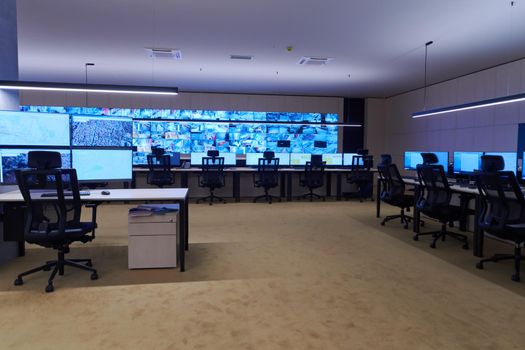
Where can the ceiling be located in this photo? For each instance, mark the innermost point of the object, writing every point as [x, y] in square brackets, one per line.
[378, 46]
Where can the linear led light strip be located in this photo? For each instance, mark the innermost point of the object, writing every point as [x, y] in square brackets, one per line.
[472, 105]
[211, 121]
[99, 88]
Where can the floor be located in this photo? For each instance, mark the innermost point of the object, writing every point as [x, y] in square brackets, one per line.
[299, 275]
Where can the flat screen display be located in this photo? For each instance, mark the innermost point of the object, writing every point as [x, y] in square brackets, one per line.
[102, 164]
[412, 159]
[101, 131]
[252, 159]
[467, 162]
[510, 159]
[299, 159]
[230, 159]
[12, 159]
[333, 159]
[33, 129]
[347, 159]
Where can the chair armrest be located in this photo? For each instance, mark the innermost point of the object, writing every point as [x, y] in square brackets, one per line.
[93, 207]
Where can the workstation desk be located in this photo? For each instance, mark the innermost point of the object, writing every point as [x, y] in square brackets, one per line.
[171, 195]
[286, 178]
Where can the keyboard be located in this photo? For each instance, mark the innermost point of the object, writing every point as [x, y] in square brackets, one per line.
[67, 194]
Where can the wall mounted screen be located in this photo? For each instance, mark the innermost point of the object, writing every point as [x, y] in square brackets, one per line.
[333, 159]
[101, 131]
[413, 159]
[33, 129]
[467, 162]
[102, 164]
[510, 159]
[16, 158]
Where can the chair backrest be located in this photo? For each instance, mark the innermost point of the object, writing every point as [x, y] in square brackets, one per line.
[42, 160]
[435, 192]
[159, 162]
[314, 173]
[386, 159]
[212, 173]
[269, 154]
[268, 171]
[502, 200]
[393, 186]
[429, 158]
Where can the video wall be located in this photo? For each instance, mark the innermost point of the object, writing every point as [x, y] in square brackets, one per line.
[184, 131]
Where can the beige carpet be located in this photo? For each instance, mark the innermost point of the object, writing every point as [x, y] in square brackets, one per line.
[280, 276]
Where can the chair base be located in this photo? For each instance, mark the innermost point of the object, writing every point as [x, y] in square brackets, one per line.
[211, 198]
[58, 267]
[517, 257]
[312, 195]
[405, 219]
[267, 198]
[442, 234]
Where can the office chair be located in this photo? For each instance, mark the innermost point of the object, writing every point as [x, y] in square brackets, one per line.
[393, 190]
[267, 176]
[502, 209]
[361, 176]
[54, 222]
[434, 200]
[212, 175]
[313, 177]
[159, 165]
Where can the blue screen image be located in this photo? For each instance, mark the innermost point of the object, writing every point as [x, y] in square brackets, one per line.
[33, 129]
[467, 162]
[101, 131]
[102, 164]
[510, 159]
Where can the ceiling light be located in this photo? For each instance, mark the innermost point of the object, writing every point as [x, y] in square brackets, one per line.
[241, 57]
[121, 89]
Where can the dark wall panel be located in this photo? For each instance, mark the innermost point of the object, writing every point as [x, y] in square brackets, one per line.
[354, 112]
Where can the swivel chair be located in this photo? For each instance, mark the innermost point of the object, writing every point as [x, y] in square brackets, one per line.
[435, 200]
[54, 221]
[212, 175]
[159, 165]
[393, 190]
[361, 176]
[502, 209]
[313, 177]
[267, 176]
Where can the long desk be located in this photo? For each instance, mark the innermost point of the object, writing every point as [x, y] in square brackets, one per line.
[286, 175]
[174, 195]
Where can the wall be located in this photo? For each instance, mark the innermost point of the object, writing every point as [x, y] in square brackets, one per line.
[392, 130]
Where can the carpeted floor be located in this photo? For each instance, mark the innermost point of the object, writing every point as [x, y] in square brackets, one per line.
[281, 276]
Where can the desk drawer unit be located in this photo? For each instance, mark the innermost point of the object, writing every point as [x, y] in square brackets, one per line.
[153, 241]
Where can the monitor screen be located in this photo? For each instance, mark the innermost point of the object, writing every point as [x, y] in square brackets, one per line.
[33, 129]
[333, 159]
[101, 131]
[196, 158]
[347, 159]
[230, 159]
[12, 159]
[299, 159]
[412, 159]
[252, 159]
[102, 164]
[174, 159]
[467, 162]
[510, 159]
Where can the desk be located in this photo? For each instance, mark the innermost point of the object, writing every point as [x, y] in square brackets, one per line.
[174, 195]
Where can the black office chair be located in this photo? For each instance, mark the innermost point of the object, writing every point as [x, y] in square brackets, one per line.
[159, 165]
[267, 176]
[212, 175]
[313, 177]
[434, 200]
[502, 209]
[361, 176]
[54, 222]
[393, 190]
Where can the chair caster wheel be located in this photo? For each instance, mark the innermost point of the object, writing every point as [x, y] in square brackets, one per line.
[211, 203]
[48, 268]
[465, 246]
[382, 224]
[49, 288]
[415, 238]
[324, 199]
[479, 266]
[89, 264]
[515, 278]
[19, 281]
[405, 227]
[422, 223]
[94, 276]
[433, 245]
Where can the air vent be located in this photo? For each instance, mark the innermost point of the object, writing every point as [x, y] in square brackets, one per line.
[314, 61]
[241, 57]
[173, 54]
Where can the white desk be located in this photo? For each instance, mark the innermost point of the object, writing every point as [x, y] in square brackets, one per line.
[174, 195]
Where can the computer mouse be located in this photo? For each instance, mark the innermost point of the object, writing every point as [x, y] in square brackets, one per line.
[105, 193]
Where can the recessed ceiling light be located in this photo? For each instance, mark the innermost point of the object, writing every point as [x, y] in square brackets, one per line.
[173, 54]
[241, 57]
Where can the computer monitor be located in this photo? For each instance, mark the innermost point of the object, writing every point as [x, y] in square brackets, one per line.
[510, 159]
[16, 158]
[413, 158]
[102, 164]
[104, 131]
[230, 158]
[347, 159]
[34, 129]
[299, 159]
[467, 162]
[333, 159]
[252, 159]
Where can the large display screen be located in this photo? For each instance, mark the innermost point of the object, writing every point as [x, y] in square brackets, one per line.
[333, 159]
[33, 129]
[101, 131]
[510, 159]
[16, 158]
[252, 159]
[467, 162]
[102, 164]
[413, 159]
